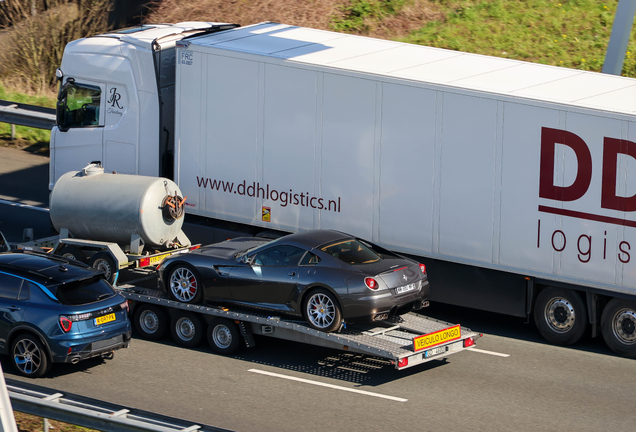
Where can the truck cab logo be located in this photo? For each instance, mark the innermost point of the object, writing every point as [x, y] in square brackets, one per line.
[114, 98]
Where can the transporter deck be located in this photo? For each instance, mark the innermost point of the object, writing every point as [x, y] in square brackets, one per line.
[395, 340]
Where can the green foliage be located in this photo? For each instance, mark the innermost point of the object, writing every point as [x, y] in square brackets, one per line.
[360, 15]
[25, 135]
[39, 30]
[572, 33]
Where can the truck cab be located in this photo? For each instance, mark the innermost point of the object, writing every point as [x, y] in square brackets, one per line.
[116, 100]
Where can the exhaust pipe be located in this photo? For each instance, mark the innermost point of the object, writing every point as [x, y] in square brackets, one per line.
[75, 360]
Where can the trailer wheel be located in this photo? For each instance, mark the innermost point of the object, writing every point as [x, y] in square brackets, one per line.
[560, 315]
[183, 284]
[150, 321]
[187, 329]
[103, 261]
[28, 356]
[72, 252]
[224, 336]
[618, 325]
[322, 311]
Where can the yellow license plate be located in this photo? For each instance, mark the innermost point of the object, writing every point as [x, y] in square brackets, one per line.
[104, 319]
[157, 259]
[437, 338]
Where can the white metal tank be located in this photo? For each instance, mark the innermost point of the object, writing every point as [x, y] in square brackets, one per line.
[95, 205]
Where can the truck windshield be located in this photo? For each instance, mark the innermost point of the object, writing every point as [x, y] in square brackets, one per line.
[84, 291]
[78, 105]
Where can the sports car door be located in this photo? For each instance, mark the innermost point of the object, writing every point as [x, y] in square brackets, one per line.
[271, 278]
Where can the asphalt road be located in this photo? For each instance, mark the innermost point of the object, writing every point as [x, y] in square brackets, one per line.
[520, 383]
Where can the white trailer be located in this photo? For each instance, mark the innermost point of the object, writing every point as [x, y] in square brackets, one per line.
[513, 182]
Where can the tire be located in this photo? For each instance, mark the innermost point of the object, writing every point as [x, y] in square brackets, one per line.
[72, 252]
[224, 336]
[618, 325]
[560, 315]
[104, 262]
[150, 321]
[187, 329]
[322, 310]
[28, 356]
[184, 284]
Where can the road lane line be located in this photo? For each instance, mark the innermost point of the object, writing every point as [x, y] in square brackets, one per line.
[306, 381]
[15, 204]
[488, 352]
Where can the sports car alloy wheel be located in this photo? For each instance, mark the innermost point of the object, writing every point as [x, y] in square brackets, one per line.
[183, 284]
[321, 310]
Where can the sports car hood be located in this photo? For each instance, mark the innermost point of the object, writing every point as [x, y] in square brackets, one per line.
[229, 248]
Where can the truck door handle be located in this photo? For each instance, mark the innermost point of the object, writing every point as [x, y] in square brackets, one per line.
[291, 274]
[13, 308]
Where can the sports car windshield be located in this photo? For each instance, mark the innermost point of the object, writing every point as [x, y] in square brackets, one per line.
[241, 254]
[351, 251]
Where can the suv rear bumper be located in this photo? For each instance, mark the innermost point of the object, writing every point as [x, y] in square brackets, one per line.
[97, 348]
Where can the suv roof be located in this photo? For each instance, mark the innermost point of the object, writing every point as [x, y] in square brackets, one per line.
[43, 268]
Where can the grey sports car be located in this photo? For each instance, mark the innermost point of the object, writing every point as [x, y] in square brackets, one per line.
[325, 276]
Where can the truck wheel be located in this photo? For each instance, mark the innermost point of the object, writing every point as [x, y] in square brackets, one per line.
[322, 311]
[183, 284]
[150, 321]
[28, 356]
[224, 336]
[72, 252]
[103, 261]
[560, 315]
[187, 329]
[618, 325]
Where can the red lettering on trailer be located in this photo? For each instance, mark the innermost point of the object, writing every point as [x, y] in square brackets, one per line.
[612, 147]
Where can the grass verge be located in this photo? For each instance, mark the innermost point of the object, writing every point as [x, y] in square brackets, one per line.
[572, 33]
[31, 423]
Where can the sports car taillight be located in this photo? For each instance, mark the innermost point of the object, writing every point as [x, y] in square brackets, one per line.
[423, 268]
[371, 283]
[66, 324]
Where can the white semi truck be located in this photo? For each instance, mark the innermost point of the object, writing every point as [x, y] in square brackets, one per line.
[513, 182]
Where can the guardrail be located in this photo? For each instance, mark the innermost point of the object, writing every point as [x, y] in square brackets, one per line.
[90, 413]
[26, 115]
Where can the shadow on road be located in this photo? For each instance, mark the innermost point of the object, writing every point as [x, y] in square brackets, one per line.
[26, 179]
[491, 323]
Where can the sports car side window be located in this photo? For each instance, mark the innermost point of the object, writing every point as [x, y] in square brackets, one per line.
[309, 259]
[279, 256]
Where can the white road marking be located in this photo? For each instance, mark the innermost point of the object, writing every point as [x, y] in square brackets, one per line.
[15, 204]
[306, 381]
[488, 352]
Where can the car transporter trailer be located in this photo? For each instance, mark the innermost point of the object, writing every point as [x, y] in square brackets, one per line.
[404, 341]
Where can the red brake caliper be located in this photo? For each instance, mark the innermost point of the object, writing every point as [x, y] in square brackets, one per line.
[193, 283]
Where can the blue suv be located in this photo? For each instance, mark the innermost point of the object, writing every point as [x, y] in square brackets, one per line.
[57, 310]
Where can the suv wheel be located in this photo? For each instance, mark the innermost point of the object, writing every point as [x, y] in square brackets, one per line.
[28, 356]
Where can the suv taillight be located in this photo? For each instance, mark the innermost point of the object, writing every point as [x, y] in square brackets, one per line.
[66, 324]
[423, 268]
[371, 283]
[124, 305]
